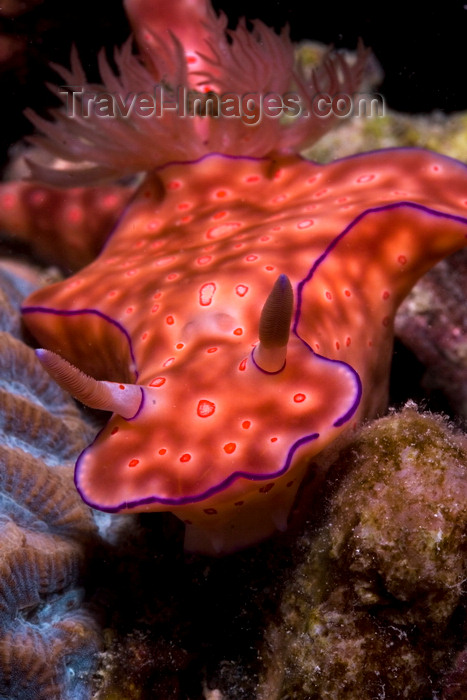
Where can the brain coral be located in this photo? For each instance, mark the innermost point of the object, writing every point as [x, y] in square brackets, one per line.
[47, 639]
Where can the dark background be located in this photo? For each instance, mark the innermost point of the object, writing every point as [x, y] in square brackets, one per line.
[422, 49]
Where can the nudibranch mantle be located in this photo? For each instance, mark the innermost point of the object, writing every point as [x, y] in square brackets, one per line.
[172, 305]
[240, 315]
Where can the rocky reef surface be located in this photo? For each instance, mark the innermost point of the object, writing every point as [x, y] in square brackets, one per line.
[376, 608]
[432, 322]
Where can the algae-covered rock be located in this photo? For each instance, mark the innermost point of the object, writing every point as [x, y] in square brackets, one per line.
[375, 608]
[341, 654]
[399, 520]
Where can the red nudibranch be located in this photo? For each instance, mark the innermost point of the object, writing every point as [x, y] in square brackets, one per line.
[217, 410]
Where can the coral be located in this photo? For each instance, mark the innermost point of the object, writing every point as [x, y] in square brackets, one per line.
[432, 322]
[455, 681]
[192, 621]
[384, 128]
[48, 640]
[374, 608]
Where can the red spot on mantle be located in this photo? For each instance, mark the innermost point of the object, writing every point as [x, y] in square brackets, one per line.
[206, 293]
[305, 224]
[241, 290]
[204, 259]
[205, 408]
[230, 447]
[222, 230]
